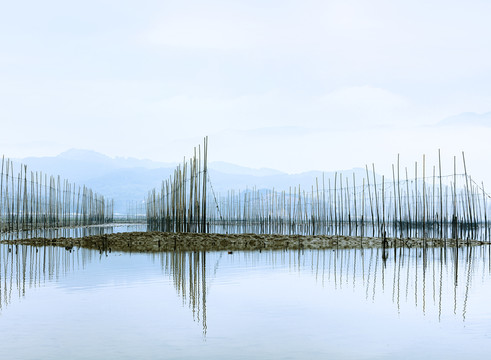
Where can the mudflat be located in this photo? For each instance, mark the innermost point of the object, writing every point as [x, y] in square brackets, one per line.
[161, 241]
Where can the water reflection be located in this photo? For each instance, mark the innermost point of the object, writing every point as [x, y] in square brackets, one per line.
[189, 271]
[73, 232]
[23, 267]
[436, 281]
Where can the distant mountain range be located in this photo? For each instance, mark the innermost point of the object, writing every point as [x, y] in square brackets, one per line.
[128, 180]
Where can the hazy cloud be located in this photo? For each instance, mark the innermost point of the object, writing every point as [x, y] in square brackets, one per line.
[468, 119]
[149, 80]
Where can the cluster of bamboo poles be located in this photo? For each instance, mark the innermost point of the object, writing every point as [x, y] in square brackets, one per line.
[33, 201]
[438, 206]
[180, 205]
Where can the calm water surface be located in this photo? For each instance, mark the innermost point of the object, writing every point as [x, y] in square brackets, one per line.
[342, 304]
[73, 232]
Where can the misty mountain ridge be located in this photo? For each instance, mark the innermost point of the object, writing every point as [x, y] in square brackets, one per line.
[117, 162]
[468, 119]
[128, 180]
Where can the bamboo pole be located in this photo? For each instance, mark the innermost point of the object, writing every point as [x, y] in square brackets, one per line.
[441, 199]
[370, 198]
[399, 194]
[376, 196]
[424, 199]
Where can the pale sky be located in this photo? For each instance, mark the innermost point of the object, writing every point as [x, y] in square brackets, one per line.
[290, 85]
